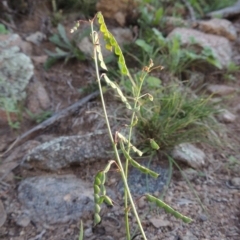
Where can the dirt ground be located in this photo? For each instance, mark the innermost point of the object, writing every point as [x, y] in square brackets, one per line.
[213, 185]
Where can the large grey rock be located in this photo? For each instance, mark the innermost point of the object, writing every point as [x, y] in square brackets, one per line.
[55, 199]
[65, 151]
[189, 154]
[220, 46]
[16, 70]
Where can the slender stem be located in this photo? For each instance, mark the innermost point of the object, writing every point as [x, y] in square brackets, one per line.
[128, 150]
[128, 194]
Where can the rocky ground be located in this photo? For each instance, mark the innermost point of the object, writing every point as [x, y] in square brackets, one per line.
[47, 171]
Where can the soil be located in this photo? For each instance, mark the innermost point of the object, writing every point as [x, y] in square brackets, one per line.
[219, 221]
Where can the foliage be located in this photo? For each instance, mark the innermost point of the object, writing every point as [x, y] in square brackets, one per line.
[204, 6]
[126, 147]
[10, 105]
[87, 7]
[153, 11]
[176, 117]
[171, 55]
[231, 71]
[3, 29]
[65, 48]
[38, 118]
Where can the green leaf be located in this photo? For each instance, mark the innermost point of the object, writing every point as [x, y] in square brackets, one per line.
[167, 208]
[158, 15]
[112, 43]
[145, 46]
[98, 178]
[55, 39]
[124, 139]
[99, 52]
[97, 208]
[63, 35]
[81, 233]
[97, 219]
[108, 200]
[154, 145]
[96, 189]
[153, 82]
[107, 168]
[118, 90]
[50, 62]
[3, 30]
[137, 165]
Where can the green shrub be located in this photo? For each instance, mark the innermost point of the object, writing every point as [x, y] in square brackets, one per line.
[65, 48]
[176, 116]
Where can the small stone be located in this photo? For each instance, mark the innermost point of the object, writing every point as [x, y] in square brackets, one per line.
[39, 59]
[203, 217]
[226, 117]
[220, 90]
[36, 38]
[190, 173]
[158, 222]
[189, 236]
[6, 171]
[38, 99]
[189, 154]
[88, 232]
[141, 203]
[236, 182]
[23, 220]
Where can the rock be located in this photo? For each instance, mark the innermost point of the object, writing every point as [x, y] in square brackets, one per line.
[11, 40]
[220, 46]
[38, 99]
[189, 154]
[226, 117]
[118, 10]
[36, 38]
[196, 79]
[39, 59]
[55, 199]
[16, 70]
[189, 236]
[140, 183]
[65, 151]
[220, 90]
[122, 35]
[158, 222]
[190, 173]
[6, 171]
[19, 152]
[220, 27]
[3, 215]
[23, 220]
[236, 182]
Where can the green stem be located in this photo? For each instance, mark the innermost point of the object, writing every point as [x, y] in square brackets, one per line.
[127, 190]
[128, 150]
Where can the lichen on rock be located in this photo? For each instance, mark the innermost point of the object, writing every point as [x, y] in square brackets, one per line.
[16, 70]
